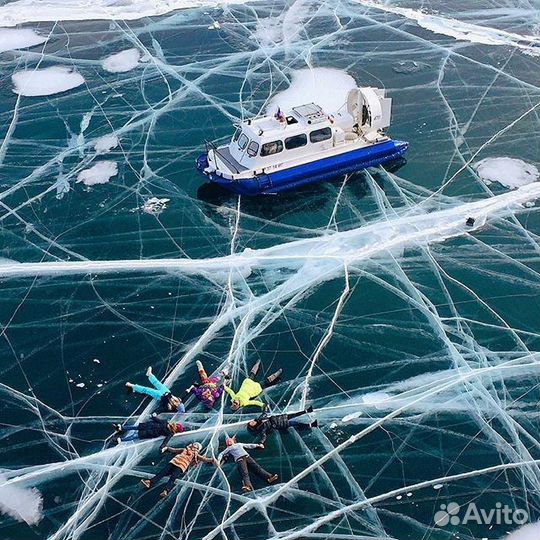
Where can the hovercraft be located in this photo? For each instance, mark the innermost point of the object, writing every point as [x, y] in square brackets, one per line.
[282, 151]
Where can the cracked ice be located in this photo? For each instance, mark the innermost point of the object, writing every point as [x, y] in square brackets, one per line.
[413, 334]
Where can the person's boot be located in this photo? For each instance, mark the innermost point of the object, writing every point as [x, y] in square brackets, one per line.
[164, 494]
[272, 478]
[129, 388]
[255, 369]
[146, 483]
[149, 371]
[199, 365]
[246, 489]
[309, 409]
[315, 423]
[274, 378]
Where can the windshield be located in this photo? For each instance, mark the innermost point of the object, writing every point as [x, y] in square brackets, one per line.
[242, 141]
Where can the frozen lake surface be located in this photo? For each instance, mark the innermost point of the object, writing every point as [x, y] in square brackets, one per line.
[414, 336]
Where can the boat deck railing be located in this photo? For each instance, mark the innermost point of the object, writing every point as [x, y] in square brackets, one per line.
[211, 146]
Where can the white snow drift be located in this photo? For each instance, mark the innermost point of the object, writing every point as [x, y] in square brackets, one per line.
[106, 144]
[509, 172]
[122, 61]
[326, 87]
[45, 82]
[24, 505]
[100, 173]
[12, 38]
[22, 11]
[530, 531]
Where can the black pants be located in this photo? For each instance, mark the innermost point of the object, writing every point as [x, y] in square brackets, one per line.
[169, 470]
[269, 381]
[246, 464]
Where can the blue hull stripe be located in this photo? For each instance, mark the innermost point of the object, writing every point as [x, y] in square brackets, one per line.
[314, 171]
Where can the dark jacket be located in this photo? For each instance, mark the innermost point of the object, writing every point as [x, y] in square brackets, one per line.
[267, 424]
[155, 428]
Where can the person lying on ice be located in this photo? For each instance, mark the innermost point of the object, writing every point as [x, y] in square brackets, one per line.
[148, 430]
[245, 463]
[209, 390]
[266, 424]
[251, 389]
[184, 459]
[159, 392]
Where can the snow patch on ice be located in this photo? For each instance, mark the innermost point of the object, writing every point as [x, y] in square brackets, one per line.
[460, 30]
[531, 531]
[45, 82]
[22, 11]
[105, 144]
[326, 87]
[509, 172]
[100, 173]
[15, 38]
[122, 61]
[24, 505]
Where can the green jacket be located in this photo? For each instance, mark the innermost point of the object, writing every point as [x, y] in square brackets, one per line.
[250, 389]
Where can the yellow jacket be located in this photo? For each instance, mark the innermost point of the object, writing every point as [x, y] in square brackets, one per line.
[250, 389]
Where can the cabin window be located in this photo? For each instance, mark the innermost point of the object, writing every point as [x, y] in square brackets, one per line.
[242, 141]
[252, 149]
[296, 142]
[236, 134]
[270, 148]
[320, 135]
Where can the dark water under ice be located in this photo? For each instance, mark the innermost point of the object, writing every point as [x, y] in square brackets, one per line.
[445, 333]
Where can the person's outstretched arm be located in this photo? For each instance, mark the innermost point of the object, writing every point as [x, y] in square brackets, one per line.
[205, 459]
[230, 391]
[250, 446]
[264, 437]
[172, 450]
[166, 439]
[222, 455]
[254, 403]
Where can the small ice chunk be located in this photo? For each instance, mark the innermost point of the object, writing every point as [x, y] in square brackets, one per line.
[154, 205]
[45, 82]
[105, 144]
[409, 66]
[95, 360]
[351, 416]
[122, 61]
[438, 486]
[214, 26]
[15, 38]
[399, 497]
[409, 494]
[80, 385]
[100, 173]
[376, 398]
[510, 172]
[99, 385]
